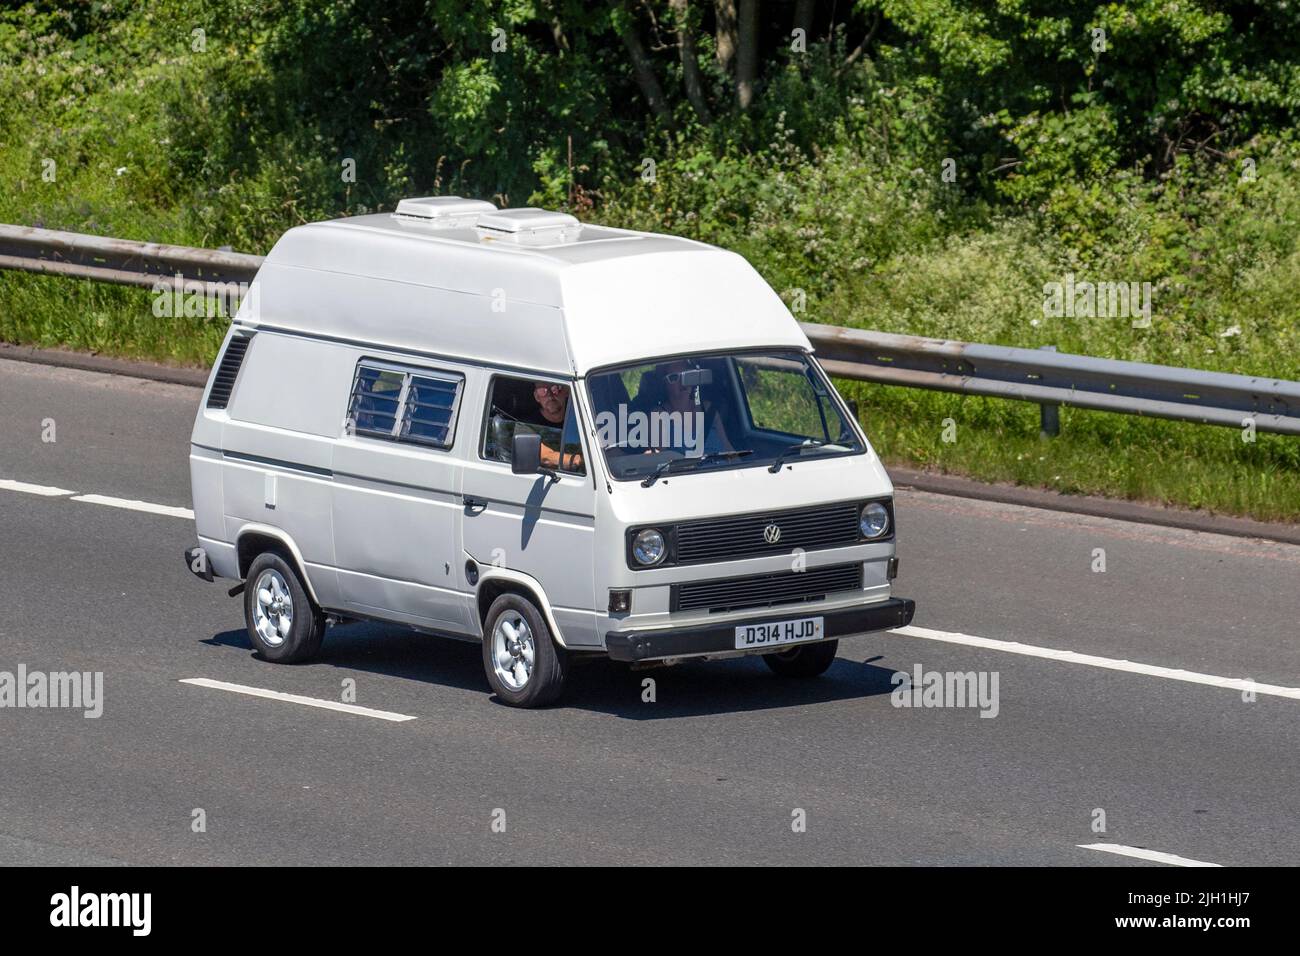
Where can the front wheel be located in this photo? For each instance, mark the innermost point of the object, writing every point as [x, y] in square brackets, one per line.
[523, 663]
[806, 660]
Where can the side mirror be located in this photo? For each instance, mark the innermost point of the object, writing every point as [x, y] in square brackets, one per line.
[853, 407]
[526, 453]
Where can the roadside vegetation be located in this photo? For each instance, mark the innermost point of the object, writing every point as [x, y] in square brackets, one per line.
[919, 166]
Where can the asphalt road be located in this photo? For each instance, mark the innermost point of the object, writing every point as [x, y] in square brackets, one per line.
[716, 770]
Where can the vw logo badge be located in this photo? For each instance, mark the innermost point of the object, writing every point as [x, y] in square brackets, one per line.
[772, 533]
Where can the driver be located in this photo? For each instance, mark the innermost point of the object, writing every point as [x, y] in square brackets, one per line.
[679, 398]
[553, 404]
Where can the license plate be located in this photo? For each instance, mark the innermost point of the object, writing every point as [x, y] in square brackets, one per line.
[750, 636]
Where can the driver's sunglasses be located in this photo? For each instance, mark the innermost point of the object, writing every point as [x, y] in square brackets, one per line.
[548, 389]
[673, 378]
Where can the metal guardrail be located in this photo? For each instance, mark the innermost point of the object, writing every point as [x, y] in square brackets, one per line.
[1052, 379]
[121, 261]
[1047, 378]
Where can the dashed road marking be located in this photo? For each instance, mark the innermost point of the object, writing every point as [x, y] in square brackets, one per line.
[295, 699]
[168, 510]
[1139, 853]
[1109, 663]
[48, 491]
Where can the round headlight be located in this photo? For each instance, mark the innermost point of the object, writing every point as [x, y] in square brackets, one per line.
[648, 547]
[874, 522]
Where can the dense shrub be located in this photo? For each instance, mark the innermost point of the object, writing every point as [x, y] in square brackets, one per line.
[923, 166]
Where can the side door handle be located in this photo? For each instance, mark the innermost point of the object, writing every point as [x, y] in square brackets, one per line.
[474, 505]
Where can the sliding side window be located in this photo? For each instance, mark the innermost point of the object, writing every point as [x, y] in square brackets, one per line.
[418, 406]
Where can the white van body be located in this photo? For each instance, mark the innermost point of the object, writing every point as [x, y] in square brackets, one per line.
[455, 301]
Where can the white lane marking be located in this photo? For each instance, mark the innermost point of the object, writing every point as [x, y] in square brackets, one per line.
[1135, 851]
[1109, 663]
[49, 491]
[168, 510]
[295, 699]
[8, 484]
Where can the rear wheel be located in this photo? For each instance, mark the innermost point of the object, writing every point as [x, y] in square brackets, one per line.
[523, 663]
[806, 660]
[284, 624]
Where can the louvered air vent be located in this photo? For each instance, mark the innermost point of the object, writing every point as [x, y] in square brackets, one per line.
[222, 385]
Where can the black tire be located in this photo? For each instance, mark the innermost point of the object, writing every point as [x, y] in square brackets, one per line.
[806, 660]
[550, 665]
[306, 622]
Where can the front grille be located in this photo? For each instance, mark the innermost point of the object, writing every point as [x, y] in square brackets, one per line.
[765, 590]
[719, 539]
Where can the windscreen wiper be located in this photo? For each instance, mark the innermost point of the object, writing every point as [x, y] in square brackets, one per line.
[793, 450]
[668, 465]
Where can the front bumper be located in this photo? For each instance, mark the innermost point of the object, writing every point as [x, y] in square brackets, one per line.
[655, 644]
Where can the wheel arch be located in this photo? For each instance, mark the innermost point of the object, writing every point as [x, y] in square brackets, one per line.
[494, 582]
[253, 539]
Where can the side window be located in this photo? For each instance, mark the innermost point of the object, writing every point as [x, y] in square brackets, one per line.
[404, 405]
[516, 404]
[376, 400]
[430, 411]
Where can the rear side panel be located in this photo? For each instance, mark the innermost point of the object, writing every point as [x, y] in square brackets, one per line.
[205, 476]
[278, 446]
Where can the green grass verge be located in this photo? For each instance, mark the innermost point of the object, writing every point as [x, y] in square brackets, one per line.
[53, 312]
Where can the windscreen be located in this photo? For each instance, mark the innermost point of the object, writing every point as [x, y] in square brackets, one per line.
[716, 411]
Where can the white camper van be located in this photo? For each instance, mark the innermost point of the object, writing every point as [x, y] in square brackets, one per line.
[554, 438]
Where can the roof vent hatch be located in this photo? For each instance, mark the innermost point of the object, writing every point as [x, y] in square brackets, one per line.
[442, 212]
[528, 227]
